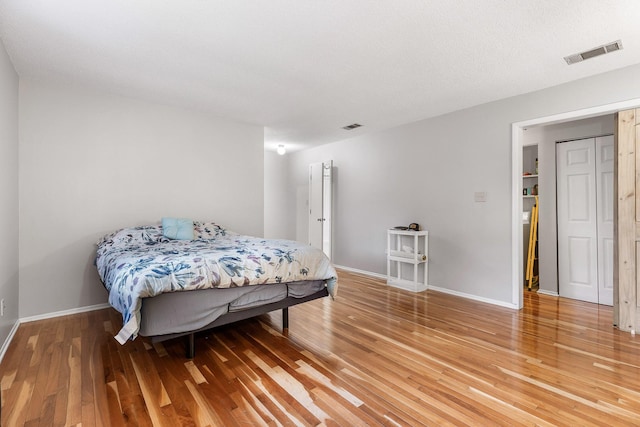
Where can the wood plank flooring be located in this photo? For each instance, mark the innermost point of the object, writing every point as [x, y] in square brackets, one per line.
[374, 356]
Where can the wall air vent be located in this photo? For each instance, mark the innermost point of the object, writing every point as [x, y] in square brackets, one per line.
[592, 53]
[351, 127]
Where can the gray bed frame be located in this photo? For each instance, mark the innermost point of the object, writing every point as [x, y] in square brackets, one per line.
[236, 316]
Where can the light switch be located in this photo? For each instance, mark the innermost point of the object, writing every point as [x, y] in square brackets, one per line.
[480, 196]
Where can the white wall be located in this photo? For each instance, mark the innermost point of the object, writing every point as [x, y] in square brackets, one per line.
[8, 193]
[91, 162]
[546, 137]
[418, 173]
[277, 197]
[428, 171]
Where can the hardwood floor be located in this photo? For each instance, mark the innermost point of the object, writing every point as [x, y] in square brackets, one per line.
[374, 356]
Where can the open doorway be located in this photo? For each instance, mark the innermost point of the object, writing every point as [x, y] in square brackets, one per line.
[521, 134]
[540, 142]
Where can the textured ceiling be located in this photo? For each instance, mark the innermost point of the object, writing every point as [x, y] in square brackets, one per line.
[305, 68]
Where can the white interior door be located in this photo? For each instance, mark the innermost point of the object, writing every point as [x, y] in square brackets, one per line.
[315, 205]
[605, 200]
[577, 220]
[327, 206]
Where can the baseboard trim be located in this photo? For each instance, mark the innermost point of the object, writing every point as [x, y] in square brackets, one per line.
[7, 342]
[366, 273]
[550, 293]
[473, 297]
[433, 288]
[64, 313]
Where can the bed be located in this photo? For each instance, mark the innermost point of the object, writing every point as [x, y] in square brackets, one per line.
[180, 277]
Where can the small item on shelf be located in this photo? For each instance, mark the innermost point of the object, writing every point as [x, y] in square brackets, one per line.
[414, 226]
[400, 227]
[534, 190]
[524, 191]
[526, 174]
[536, 166]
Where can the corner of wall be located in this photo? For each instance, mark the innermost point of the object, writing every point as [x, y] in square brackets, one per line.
[9, 199]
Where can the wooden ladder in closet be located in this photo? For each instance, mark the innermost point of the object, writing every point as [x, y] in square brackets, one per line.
[532, 256]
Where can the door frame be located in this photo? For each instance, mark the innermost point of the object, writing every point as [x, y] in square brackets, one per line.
[517, 139]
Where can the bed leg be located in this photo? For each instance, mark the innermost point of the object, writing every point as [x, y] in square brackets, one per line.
[285, 318]
[191, 346]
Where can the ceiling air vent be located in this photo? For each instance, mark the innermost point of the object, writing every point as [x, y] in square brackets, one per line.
[592, 53]
[351, 127]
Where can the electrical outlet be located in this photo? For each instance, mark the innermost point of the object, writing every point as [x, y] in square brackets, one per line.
[2, 307]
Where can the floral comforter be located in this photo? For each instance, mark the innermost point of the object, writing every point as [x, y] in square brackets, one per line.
[139, 262]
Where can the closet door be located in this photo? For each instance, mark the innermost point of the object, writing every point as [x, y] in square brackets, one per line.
[605, 201]
[577, 220]
[585, 219]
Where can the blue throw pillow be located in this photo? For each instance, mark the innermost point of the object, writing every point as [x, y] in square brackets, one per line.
[177, 228]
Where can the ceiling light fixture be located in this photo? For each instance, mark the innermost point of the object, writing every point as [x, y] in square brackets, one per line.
[281, 150]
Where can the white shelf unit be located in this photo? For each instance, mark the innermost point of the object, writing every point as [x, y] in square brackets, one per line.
[409, 249]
